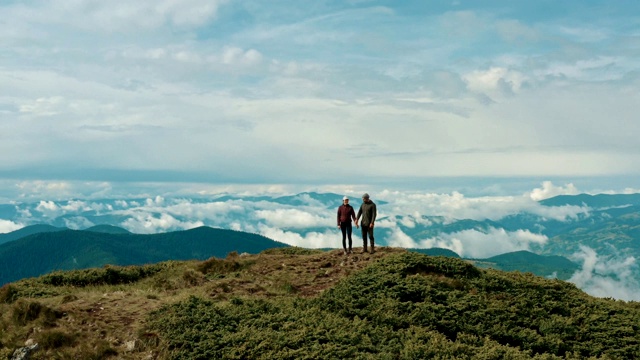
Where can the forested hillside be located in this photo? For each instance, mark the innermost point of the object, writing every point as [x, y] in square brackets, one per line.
[41, 253]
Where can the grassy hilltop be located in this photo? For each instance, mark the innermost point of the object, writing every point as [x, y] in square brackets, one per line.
[292, 303]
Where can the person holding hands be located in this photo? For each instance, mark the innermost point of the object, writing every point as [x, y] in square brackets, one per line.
[345, 215]
[368, 212]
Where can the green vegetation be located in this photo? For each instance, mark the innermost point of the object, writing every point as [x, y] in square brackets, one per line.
[526, 261]
[408, 306]
[41, 253]
[293, 303]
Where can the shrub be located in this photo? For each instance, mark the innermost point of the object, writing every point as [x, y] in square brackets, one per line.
[55, 339]
[218, 266]
[8, 294]
[109, 275]
[69, 298]
[192, 277]
[25, 312]
[291, 250]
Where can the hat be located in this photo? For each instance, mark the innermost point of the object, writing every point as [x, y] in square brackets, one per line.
[365, 196]
[345, 198]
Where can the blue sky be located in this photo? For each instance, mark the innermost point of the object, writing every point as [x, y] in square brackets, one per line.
[319, 92]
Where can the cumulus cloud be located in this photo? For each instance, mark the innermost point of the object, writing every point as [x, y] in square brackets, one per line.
[234, 55]
[495, 80]
[456, 205]
[606, 276]
[7, 226]
[479, 244]
[549, 190]
[312, 240]
[77, 223]
[150, 224]
[292, 218]
[48, 208]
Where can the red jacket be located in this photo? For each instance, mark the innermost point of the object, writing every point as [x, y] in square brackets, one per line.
[346, 213]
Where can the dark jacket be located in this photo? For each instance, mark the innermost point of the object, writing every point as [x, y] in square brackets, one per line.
[368, 211]
[346, 213]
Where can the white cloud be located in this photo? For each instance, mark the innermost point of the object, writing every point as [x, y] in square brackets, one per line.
[310, 240]
[458, 206]
[141, 223]
[77, 223]
[495, 80]
[44, 189]
[478, 244]
[293, 218]
[7, 226]
[234, 56]
[606, 277]
[118, 15]
[548, 190]
[48, 208]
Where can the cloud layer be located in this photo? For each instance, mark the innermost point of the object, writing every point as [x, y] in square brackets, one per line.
[407, 219]
[227, 91]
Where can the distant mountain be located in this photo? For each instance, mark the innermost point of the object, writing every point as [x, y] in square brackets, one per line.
[108, 229]
[594, 201]
[526, 261]
[44, 252]
[614, 236]
[28, 230]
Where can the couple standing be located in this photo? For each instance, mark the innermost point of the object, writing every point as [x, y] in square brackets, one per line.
[367, 211]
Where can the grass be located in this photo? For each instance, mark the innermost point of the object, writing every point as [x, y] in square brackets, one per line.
[299, 303]
[101, 313]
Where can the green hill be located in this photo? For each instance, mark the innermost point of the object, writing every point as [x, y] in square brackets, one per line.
[526, 261]
[28, 230]
[594, 201]
[292, 303]
[41, 253]
[108, 229]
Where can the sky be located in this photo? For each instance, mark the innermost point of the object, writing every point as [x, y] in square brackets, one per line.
[380, 93]
[457, 108]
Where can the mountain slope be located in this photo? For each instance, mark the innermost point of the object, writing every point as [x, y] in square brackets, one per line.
[292, 303]
[108, 229]
[28, 230]
[594, 201]
[40, 253]
[526, 261]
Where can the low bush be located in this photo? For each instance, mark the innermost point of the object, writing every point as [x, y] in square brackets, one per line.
[54, 339]
[109, 275]
[291, 250]
[8, 294]
[218, 266]
[408, 306]
[25, 312]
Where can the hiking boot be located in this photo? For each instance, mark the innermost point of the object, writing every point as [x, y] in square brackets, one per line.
[344, 251]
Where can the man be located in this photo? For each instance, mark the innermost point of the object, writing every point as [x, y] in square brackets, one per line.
[368, 212]
[345, 214]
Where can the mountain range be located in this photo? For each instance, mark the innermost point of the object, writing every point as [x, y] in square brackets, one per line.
[608, 224]
[44, 248]
[62, 249]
